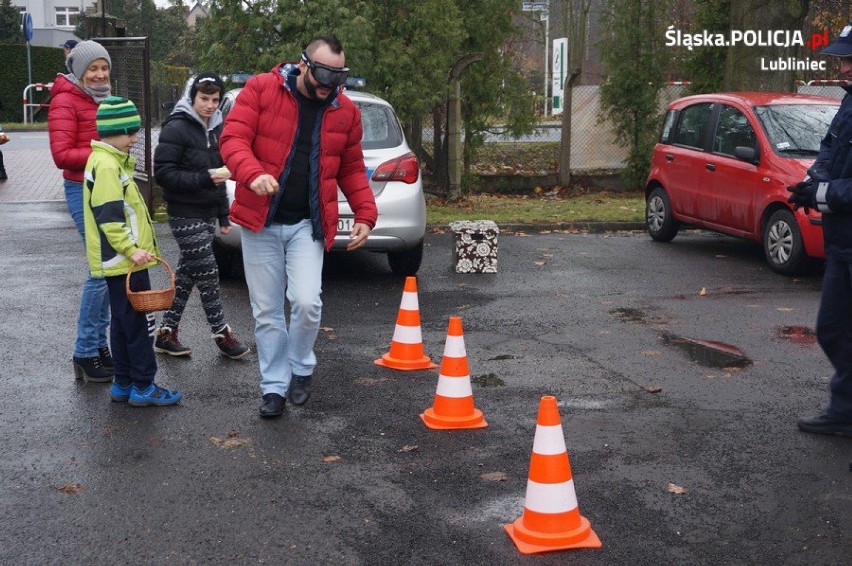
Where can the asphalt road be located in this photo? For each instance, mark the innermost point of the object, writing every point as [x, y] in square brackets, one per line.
[354, 477]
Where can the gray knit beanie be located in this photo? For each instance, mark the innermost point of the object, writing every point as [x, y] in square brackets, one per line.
[84, 54]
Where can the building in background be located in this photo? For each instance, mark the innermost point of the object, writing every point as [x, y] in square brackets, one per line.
[54, 21]
[198, 10]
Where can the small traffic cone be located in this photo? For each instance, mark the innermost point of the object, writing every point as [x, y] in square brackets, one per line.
[453, 406]
[406, 350]
[551, 519]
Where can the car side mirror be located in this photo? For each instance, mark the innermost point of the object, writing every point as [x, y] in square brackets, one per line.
[745, 153]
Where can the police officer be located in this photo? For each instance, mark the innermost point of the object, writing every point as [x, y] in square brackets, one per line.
[829, 189]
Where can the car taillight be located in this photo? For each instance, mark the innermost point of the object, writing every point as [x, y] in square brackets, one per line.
[404, 168]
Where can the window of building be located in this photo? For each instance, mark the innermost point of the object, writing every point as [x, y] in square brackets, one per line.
[67, 16]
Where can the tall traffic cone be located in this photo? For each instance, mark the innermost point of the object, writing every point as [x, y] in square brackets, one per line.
[453, 406]
[551, 519]
[406, 350]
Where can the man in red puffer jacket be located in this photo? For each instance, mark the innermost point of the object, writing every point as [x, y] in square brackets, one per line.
[290, 140]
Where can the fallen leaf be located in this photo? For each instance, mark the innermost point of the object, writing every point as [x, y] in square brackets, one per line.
[676, 489]
[233, 433]
[408, 448]
[326, 329]
[650, 353]
[653, 389]
[494, 476]
[538, 263]
[69, 487]
[330, 458]
[229, 442]
[703, 291]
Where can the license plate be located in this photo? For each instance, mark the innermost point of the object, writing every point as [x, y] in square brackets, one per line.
[345, 224]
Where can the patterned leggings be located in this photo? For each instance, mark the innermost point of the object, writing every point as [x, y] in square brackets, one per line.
[196, 267]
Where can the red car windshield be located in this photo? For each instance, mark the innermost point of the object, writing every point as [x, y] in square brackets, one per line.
[795, 130]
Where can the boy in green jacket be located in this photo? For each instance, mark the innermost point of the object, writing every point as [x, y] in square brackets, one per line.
[120, 237]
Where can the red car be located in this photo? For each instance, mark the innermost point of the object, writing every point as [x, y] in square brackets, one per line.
[724, 161]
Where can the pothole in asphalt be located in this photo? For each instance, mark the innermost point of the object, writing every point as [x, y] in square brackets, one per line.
[502, 357]
[708, 352]
[488, 380]
[798, 334]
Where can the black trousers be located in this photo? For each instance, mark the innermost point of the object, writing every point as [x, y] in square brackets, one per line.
[131, 333]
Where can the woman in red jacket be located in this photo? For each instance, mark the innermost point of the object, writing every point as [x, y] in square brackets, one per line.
[71, 123]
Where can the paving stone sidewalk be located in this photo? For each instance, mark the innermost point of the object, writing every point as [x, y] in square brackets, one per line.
[33, 177]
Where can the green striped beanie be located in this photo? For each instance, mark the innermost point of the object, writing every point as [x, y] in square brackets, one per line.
[117, 116]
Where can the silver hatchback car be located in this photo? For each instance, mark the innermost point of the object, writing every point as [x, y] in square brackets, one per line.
[394, 174]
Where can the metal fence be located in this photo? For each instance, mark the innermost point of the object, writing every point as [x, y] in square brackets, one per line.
[593, 145]
[131, 78]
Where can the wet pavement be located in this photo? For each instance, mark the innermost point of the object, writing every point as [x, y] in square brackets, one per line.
[674, 462]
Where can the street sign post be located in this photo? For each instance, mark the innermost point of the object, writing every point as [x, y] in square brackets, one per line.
[558, 73]
[27, 28]
[545, 17]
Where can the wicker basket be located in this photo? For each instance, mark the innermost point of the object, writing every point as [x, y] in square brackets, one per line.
[155, 299]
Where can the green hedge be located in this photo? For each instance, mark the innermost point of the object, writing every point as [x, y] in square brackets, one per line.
[46, 63]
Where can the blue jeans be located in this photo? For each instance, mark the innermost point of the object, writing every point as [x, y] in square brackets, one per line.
[834, 332]
[93, 321]
[283, 260]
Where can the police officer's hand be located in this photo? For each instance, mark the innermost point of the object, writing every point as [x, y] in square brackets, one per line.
[802, 195]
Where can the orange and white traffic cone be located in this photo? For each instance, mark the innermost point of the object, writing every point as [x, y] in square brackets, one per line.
[551, 519]
[406, 350]
[453, 405]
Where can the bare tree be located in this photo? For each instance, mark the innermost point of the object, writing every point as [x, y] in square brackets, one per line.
[575, 25]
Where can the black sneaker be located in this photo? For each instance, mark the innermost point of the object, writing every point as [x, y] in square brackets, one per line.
[300, 389]
[167, 343]
[826, 424]
[106, 358]
[272, 406]
[92, 369]
[229, 345]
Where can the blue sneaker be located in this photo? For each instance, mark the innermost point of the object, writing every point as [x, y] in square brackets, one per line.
[153, 395]
[120, 393]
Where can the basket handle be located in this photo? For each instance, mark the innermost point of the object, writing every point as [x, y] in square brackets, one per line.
[156, 258]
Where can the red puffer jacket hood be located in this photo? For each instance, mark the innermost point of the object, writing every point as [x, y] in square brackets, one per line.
[258, 138]
[71, 124]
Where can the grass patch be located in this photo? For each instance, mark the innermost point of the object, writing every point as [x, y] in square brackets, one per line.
[20, 126]
[524, 209]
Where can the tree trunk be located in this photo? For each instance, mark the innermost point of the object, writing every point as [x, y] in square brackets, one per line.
[565, 140]
[575, 29]
[747, 66]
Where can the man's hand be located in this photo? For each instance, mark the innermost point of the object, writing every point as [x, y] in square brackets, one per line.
[802, 195]
[141, 257]
[358, 236]
[264, 185]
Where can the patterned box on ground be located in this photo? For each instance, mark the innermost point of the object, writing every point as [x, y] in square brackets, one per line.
[475, 246]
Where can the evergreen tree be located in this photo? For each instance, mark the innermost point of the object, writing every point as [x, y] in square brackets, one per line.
[10, 23]
[403, 49]
[634, 56]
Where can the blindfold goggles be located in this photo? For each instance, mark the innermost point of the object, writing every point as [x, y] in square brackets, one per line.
[325, 75]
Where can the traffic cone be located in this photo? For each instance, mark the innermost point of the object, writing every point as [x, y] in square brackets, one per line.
[406, 350]
[551, 519]
[453, 406]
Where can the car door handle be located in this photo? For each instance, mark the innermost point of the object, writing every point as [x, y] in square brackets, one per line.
[669, 157]
[710, 167]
